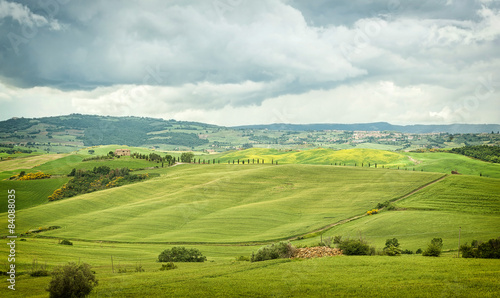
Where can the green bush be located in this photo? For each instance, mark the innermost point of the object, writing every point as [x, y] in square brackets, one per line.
[181, 254]
[242, 259]
[392, 247]
[168, 266]
[486, 250]
[419, 251]
[37, 271]
[138, 268]
[355, 247]
[273, 251]
[66, 242]
[434, 248]
[72, 280]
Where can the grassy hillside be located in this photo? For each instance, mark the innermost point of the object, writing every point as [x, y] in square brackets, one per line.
[447, 162]
[321, 156]
[231, 206]
[28, 162]
[406, 276]
[472, 203]
[30, 193]
[428, 162]
[224, 203]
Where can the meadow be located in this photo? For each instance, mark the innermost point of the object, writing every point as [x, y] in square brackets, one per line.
[224, 203]
[228, 210]
[447, 162]
[221, 275]
[321, 156]
[440, 162]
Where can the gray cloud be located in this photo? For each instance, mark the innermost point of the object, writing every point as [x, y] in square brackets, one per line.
[221, 55]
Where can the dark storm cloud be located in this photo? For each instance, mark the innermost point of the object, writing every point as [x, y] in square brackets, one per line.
[221, 55]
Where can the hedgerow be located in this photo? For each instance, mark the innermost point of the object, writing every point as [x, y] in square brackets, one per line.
[98, 179]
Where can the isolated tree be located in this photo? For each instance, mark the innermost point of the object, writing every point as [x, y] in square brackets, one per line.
[187, 157]
[91, 151]
[434, 248]
[72, 280]
[392, 247]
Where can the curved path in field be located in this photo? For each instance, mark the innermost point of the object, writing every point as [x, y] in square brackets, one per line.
[362, 215]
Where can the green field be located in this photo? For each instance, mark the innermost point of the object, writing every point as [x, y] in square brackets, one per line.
[228, 210]
[447, 162]
[225, 203]
[406, 276]
[428, 162]
[321, 156]
[440, 210]
[31, 193]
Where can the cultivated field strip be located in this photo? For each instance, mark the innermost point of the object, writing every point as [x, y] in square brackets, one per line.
[224, 204]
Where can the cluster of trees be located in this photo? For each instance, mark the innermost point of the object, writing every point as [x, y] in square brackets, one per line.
[486, 250]
[483, 152]
[181, 254]
[168, 159]
[99, 178]
[14, 151]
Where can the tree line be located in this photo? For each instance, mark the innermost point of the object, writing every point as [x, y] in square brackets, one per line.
[482, 152]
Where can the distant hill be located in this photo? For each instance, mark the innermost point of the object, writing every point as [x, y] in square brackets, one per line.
[92, 130]
[71, 132]
[381, 126]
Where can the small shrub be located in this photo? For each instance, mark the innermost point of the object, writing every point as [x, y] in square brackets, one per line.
[181, 254]
[434, 248]
[419, 251]
[138, 268]
[242, 259]
[122, 270]
[392, 247]
[38, 271]
[407, 252]
[273, 251]
[355, 247]
[391, 207]
[168, 266]
[72, 280]
[66, 242]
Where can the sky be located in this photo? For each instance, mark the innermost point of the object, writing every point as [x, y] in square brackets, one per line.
[239, 62]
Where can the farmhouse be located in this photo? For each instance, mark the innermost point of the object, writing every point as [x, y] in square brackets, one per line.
[122, 152]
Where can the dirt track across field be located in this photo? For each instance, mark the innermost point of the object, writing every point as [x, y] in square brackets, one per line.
[362, 215]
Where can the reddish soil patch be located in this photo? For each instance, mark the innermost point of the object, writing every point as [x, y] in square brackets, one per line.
[316, 252]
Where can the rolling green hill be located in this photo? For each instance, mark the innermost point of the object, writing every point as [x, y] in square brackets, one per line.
[441, 162]
[30, 193]
[472, 203]
[447, 162]
[228, 210]
[224, 203]
[321, 156]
